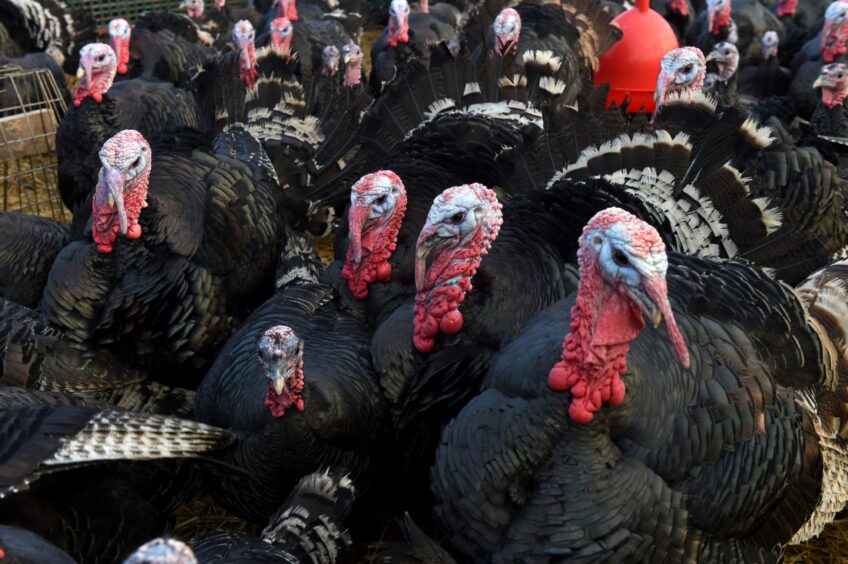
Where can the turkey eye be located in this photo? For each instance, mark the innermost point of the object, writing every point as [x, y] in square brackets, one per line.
[136, 162]
[100, 59]
[381, 200]
[687, 69]
[457, 217]
[620, 258]
[839, 75]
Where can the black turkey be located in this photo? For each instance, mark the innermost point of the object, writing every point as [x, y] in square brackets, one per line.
[102, 109]
[162, 55]
[28, 247]
[296, 387]
[741, 22]
[717, 436]
[184, 240]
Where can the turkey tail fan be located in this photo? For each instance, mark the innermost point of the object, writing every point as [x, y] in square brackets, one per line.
[545, 76]
[691, 113]
[272, 62]
[310, 525]
[811, 197]
[652, 166]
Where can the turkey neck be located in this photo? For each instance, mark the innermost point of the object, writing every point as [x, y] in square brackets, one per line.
[594, 355]
[375, 247]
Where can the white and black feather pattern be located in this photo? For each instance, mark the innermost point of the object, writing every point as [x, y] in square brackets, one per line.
[299, 263]
[47, 23]
[123, 435]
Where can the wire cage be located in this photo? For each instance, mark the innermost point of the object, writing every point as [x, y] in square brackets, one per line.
[103, 11]
[31, 106]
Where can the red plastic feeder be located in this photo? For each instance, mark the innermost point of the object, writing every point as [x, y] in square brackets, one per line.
[631, 66]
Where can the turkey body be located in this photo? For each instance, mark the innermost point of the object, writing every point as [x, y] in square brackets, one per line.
[343, 409]
[169, 300]
[164, 55]
[28, 247]
[721, 464]
[145, 104]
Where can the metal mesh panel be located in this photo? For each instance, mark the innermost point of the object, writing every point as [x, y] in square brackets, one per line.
[105, 10]
[30, 109]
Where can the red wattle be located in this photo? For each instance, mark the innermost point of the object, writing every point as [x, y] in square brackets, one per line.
[123, 68]
[451, 323]
[384, 272]
[134, 231]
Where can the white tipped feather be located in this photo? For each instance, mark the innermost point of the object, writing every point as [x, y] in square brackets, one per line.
[471, 88]
[699, 99]
[552, 85]
[772, 217]
[515, 81]
[544, 58]
[760, 136]
[439, 106]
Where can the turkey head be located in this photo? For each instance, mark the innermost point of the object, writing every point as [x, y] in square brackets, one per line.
[219, 4]
[460, 228]
[121, 190]
[679, 7]
[507, 29]
[718, 15]
[398, 22]
[98, 65]
[119, 40]
[162, 551]
[243, 34]
[770, 42]
[377, 207]
[682, 71]
[281, 35]
[726, 57]
[623, 266]
[281, 355]
[833, 81]
[194, 8]
[353, 64]
[330, 60]
[835, 31]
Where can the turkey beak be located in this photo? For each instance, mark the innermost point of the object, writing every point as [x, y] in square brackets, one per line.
[427, 243]
[653, 299]
[822, 82]
[84, 73]
[714, 56]
[663, 81]
[710, 18]
[356, 218]
[115, 185]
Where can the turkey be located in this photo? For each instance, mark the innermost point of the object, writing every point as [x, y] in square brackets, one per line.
[218, 19]
[564, 39]
[161, 55]
[102, 109]
[725, 56]
[184, 240]
[408, 36]
[25, 547]
[733, 458]
[308, 527]
[827, 47]
[766, 77]
[830, 120]
[295, 385]
[740, 22]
